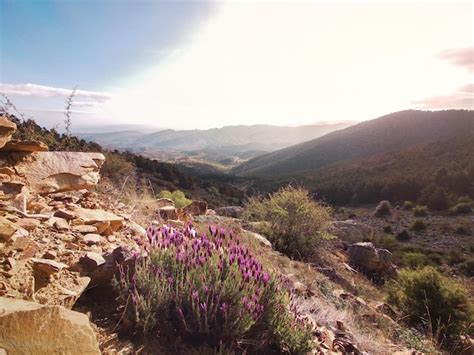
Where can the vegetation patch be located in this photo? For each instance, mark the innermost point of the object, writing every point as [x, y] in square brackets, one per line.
[211, 290]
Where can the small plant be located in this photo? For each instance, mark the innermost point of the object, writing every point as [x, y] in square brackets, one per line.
[420, 211]
[418, 225]
[383, 209]
[433, 301]
[461, 208]
[414, 259]
[209, 288]
[296, 222]
[177, 196]
[67, 112]
[407, 205]
[467, 267]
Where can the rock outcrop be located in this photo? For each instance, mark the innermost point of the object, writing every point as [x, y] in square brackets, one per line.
[31, 328]
[48, 172]
[365, 257]
[351, 231]
[196, 208]
[230, 211]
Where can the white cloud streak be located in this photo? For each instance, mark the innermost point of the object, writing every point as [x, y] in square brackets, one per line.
[35, 90]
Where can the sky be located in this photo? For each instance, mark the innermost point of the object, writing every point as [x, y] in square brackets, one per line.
[202, 64]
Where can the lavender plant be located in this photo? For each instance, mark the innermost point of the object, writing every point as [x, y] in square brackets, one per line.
[210, 289]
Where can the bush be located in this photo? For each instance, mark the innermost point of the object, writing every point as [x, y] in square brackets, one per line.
[296, 222]
[414, 259]
[403, 236]
[461, 208]
[407, 205]
[418, 225]
[117, 168]
[434, 197]
[210, 289]
[383, 209]
[387, 228]
[177, 196]
[420, 211]
[433, 301]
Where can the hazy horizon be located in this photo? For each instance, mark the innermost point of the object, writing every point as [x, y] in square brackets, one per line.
[209, 64]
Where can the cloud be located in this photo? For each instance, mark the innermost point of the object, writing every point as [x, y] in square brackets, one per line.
[463, 57]
[463, 98]
[35, 90]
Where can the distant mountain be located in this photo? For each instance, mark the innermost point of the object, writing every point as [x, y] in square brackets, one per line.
[223, 142]
[390, 133]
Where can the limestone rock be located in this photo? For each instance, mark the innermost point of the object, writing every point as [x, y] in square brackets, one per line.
[7, 128]
[168, 212]
[47, 266]
[260, 238]
[196, 208]
[351, 231]
[230, 211]
[106, 222]
[66, 214]
[164, 202]
[92, 260]
[30, 224]
[16, 145]
[9, 229]
[84, 229]
[31, 328]
[91, 239]
[366, 257]
[48, 172]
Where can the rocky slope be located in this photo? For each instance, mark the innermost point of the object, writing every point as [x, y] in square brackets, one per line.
[61, 244]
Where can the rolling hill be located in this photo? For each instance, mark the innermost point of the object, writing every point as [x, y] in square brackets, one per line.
[390, 133]
[410, 155]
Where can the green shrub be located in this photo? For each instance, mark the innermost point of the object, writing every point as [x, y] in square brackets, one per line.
[434, 197]
[454, 258]
[176, 196]
[210, 289]
[407, 205]
[461, 208]
[296, 222]
[433, 301]
[383, 209]
[117, 168]
[414, 259]
[420, 211]
[418, 225]
[465, 199]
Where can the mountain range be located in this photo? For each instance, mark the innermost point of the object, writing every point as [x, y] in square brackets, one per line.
[216, 144]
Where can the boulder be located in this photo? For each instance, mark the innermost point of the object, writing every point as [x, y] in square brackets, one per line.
[105, 222]
[261, 239]
[164, 202]
[230, 211]
[32, 328]
[16, 145]
[351, 231]
[7, 128]
[85, 229]
[30, 224]
[364, 256]
[168, 212]
[64, 213]
[47, 266]
[48, 172]
[196, 208]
